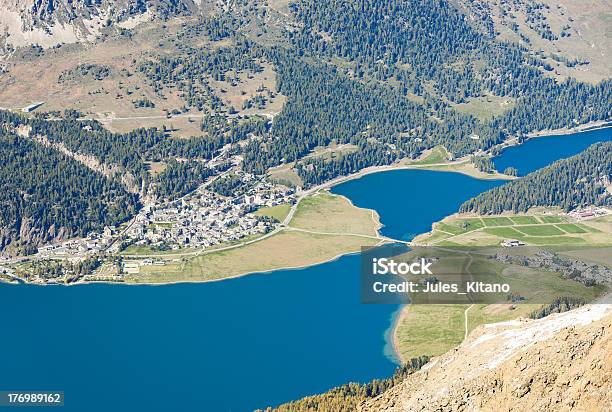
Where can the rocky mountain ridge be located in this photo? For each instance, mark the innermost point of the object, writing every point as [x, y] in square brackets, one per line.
[559, 363]
[51, 22]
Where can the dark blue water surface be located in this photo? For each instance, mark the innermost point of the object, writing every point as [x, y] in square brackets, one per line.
[238, 344]
[225, 346]
[409, 201]
[538, 152]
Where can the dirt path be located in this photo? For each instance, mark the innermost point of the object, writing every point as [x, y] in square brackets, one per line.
[465, 314]
[379, 237]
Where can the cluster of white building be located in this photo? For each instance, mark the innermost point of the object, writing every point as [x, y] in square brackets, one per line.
[201, 219]
[78, 247]
[589, 213]
[204, 218]
[512, 243]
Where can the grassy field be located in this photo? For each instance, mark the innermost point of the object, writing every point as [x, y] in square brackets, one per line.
[297, 246]
[285, 175]
[429, 329]
[497, 221]
[503, 232]
[438, 154]
[466, 168]
[283, 250]
[486, 107]
[525, 220]
[458, 226]
[531, 229]
[279, 212]
[434, 329]
[551, 219]
[540, 230]
[328, 213]
[572, 228]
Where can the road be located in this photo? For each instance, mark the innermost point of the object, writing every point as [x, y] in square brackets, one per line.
[465, 314]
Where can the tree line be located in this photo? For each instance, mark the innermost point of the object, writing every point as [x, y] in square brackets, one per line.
[348, 397]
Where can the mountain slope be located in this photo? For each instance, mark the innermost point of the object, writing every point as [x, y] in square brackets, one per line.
[559, 363]
[53, 196]
[573, 35]
[51, 22]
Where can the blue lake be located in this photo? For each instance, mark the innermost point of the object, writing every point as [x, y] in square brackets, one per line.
[234, 345]
[538, 152]
[409, 201]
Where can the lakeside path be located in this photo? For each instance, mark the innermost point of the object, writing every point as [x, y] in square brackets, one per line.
[587, 127]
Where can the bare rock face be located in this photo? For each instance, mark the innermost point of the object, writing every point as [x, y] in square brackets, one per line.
[51, 22]
[559, 363]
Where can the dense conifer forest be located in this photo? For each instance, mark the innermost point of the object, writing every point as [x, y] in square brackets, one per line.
[373, 55]
[325, 105]
[47, 194]
[126, 151]
[180, 178]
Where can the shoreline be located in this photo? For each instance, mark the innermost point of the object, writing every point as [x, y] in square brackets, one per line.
[188, 282]
[365, 172]
[586, 127]
[401, 315]
[393, 342]
[403, 311]
[373, 213]
[197, 282]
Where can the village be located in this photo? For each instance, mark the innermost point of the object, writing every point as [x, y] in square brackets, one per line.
[202, 219]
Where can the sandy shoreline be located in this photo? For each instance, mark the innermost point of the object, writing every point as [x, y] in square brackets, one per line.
[396, 324]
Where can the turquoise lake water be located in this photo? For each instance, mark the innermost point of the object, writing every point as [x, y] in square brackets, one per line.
[238, 344]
